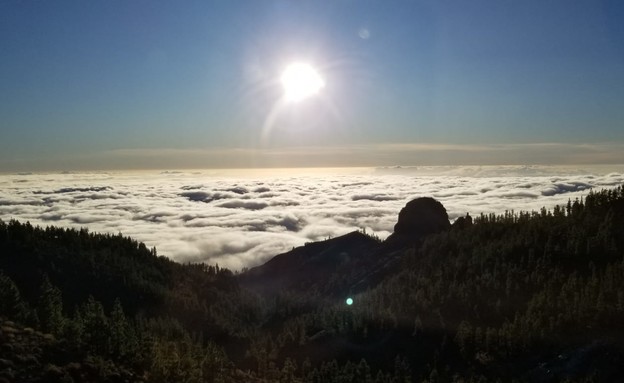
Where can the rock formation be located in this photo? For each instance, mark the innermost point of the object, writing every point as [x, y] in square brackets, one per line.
[420, 217]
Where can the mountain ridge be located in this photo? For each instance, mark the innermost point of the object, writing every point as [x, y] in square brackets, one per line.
[526, 296]
[361, 259]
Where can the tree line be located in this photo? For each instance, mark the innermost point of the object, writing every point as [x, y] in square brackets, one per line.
[519, 296]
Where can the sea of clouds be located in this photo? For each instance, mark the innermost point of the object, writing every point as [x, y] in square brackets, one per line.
[242, 218]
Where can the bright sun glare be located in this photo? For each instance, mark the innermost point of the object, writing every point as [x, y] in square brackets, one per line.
[301, 81]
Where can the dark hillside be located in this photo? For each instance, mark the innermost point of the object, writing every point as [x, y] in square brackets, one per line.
[311, 265]
[82, 263]
[527, 296]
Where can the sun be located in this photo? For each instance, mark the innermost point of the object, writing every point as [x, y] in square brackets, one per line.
[300, 81]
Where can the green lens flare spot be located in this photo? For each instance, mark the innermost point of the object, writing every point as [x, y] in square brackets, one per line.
[349, 301]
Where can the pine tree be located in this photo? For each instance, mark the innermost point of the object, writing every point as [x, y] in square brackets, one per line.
[402, 372]
[363, 372]
[50, 308]
[122, 336]
[288, 371]
[74, 329]
[11, 304]
[96, 333]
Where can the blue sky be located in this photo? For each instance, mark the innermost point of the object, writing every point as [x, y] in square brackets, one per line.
[136, 84]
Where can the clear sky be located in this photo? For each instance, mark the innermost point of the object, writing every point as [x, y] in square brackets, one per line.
[196, 84]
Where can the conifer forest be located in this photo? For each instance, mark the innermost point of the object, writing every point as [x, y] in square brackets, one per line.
[521, 296]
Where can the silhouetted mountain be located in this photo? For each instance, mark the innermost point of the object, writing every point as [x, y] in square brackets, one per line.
[311, 265]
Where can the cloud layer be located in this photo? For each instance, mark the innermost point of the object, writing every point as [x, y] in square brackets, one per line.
[241, 219]
[327, 156]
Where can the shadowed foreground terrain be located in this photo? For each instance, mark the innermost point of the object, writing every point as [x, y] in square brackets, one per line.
[526, 296]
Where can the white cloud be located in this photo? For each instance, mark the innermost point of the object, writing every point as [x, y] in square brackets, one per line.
[241, 219]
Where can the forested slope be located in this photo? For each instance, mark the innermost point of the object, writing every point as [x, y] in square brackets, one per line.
[527, 296]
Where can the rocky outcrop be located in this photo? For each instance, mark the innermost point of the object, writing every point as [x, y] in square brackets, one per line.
[419, 218]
